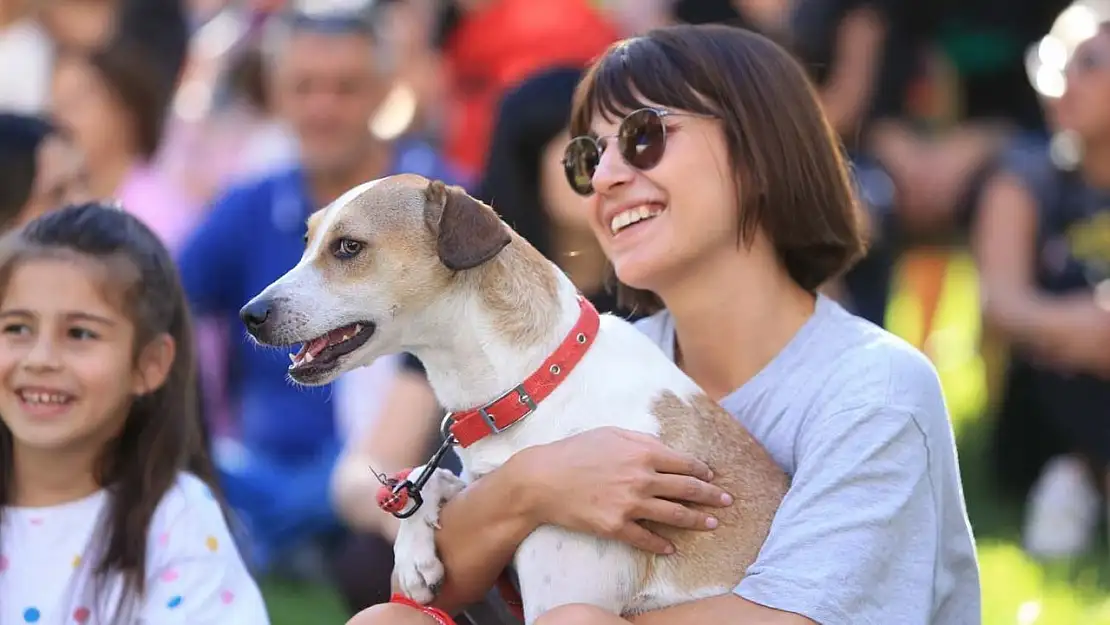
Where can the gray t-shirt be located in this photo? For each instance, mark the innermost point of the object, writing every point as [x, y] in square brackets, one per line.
[873, 529]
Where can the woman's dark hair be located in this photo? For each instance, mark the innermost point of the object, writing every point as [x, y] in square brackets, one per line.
[529, 117]
[162, 435]
[790, 173]
[20, 138]
[133, 79]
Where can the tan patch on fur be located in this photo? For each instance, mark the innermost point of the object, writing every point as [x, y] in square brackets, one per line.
[520, 292]
[743, 468]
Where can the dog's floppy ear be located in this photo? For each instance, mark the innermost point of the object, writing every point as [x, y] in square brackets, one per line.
[468, 233]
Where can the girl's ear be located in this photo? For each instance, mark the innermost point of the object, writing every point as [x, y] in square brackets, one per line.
[154, 364]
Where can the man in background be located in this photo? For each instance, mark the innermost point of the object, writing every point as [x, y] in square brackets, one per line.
[328, 77]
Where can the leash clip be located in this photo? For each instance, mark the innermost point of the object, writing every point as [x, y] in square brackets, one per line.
[401, 496]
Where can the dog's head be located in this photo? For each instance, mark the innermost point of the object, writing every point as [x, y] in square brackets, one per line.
[374, 259]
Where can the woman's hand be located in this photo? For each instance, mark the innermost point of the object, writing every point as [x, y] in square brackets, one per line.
[603, 481]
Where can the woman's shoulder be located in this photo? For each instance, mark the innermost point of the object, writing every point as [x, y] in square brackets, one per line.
[870, 366]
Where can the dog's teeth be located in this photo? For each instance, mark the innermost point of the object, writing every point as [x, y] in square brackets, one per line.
[308, 357]
[358, 328]
[293, 358]
[345, 337]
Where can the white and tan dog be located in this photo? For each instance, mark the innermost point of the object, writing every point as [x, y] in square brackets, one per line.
[405, 264]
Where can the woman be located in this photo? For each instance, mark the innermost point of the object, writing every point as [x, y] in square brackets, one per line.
[525, 182]
[1041, 242]
[719, 131]
[113, 102]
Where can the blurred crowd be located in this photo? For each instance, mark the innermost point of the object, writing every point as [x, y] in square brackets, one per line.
[224, 123]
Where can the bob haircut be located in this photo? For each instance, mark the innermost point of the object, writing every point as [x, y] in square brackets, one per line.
[790, 174]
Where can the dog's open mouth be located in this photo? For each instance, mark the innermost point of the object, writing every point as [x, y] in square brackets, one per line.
[322, 352]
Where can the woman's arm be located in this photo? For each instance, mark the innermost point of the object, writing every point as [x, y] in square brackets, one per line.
[395, 441]
[599, 482]
[1062, 328]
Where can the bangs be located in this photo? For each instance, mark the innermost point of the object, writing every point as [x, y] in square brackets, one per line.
[634, 74]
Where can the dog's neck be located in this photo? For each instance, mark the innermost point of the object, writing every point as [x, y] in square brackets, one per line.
[498, 324]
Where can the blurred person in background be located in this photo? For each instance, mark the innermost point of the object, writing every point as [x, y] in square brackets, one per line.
[526, 184]
[41, 169]
[477, 49]
[1042, 240]
[328, 76]
[31, 31]
[113, 102]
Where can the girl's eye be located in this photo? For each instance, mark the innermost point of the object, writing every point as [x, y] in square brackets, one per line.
[16, 329]
[81, 334]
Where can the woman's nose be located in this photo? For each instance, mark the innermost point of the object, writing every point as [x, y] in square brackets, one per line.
[612, 171]
[44, 355]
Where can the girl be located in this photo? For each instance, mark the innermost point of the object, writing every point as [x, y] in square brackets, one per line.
[718, 132]
[101, 522]
[1044, 259]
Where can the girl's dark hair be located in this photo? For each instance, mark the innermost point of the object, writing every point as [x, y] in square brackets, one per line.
[529, 117]
[790, 172]
[134, 80]
[162, 434]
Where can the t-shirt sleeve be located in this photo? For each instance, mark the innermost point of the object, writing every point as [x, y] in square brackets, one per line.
[196, 575]
[856, 537]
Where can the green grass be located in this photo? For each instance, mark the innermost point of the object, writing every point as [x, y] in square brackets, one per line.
[1016, 589]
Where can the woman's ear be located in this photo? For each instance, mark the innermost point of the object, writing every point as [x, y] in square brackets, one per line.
[154, 364]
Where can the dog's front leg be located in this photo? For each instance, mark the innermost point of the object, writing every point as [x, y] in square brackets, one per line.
[417, 566]
[557, 567]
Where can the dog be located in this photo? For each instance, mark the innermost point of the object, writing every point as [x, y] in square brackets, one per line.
[407, 264]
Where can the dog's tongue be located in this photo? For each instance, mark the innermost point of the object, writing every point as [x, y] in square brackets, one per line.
[316, 346]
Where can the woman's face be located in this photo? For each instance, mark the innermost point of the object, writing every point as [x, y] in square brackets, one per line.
[565, 208]
[84, 105]
[1085, 105]
[690, 198]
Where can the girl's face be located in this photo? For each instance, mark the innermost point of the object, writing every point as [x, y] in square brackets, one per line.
[1085, 105]
[690, 195]
[84, 105]
[67, 368]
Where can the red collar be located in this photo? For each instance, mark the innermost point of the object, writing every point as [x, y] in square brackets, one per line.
[470, 426]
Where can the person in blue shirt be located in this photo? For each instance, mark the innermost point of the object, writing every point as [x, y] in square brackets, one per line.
[329, 78]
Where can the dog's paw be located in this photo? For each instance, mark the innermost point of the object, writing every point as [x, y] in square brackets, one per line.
[419, 570]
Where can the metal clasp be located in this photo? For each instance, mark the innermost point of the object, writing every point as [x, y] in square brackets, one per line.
[521, 395]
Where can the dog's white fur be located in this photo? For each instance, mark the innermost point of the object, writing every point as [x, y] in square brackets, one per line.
[442, 317]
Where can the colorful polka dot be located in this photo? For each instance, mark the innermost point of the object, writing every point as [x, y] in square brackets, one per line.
[4, 563]
[37, 521]
[174, 602]
[169, 575]
[227, 597]
[164, 539]
[81, 615]
[31, 615]
[76, 561]
[212, 543]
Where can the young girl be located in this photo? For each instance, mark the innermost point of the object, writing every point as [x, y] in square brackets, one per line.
[101, 521]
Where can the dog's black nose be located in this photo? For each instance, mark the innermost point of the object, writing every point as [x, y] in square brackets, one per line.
[255, 314]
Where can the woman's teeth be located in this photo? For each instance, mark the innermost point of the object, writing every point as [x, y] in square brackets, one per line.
[637, 214]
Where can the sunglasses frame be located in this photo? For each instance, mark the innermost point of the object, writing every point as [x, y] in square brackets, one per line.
[660, 113]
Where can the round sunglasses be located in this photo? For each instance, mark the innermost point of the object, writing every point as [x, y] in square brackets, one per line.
[641, 141]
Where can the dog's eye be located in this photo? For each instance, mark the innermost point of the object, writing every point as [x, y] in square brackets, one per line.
[347, 248]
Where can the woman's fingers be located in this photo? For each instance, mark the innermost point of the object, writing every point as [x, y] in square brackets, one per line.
[689, 489]
[636, 535]
[676, 515]
[666, 460]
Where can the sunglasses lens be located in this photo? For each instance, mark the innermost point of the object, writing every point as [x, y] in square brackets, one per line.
[642, 139]
[580, 162]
